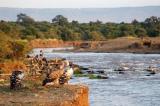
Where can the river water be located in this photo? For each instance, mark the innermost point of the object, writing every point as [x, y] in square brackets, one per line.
[133, 88]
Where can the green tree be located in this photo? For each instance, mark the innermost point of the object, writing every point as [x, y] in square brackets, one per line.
[19, 48]
[96, 36]
[75, 23]
[74, 36]
[5, 50]
[5, 27]
[24, 18]
[126, 30]
[152, 25]
[60, 20]
[135, 22]
[52, 33]
[140, 32]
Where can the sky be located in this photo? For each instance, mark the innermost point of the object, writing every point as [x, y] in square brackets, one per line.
[77, 3]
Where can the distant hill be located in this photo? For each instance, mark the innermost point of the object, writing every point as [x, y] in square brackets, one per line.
[126, 14]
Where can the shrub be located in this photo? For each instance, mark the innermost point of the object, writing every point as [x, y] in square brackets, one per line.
[10, 66]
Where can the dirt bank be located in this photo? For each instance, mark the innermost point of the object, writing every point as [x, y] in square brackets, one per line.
[122, 44]
[67, 95]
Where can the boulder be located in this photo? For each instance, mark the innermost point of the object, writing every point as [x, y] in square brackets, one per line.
[152, 70]
[102, 76]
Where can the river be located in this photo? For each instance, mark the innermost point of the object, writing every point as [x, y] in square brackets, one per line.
[133, 88]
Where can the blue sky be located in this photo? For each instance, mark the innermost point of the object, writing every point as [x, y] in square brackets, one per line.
[77, 3]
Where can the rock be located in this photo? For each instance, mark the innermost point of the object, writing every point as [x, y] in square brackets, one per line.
[152, 70]
[98, 76]
[90, 72]
[101, 71]
[102, 76]
[122, 69]
[84, 68]
[121, 72]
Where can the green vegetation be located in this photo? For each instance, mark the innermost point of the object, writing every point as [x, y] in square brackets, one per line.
[81, 75]
[93, 76]
[12, 48]
[15, 35]
[90, 76]
[77, 71]
[60, 28]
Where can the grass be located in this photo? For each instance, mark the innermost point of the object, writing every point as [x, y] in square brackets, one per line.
[33, 82]
[77, 71]
[81, 75]
[93, 76]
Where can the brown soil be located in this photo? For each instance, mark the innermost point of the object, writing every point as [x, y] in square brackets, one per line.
[122, 44]
[66, 95]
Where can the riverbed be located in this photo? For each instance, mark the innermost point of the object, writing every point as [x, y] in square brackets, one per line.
[133, 88]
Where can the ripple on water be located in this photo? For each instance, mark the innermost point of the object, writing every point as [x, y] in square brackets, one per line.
[129, 89]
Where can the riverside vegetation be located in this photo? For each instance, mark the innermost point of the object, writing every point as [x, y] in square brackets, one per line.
[60, 28]
[14, 36]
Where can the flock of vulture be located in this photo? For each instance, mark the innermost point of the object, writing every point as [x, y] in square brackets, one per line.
[56, 71]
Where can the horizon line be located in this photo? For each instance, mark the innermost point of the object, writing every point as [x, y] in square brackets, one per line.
[82, 7]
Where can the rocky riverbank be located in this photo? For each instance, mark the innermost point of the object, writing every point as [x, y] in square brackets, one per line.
[32, 93]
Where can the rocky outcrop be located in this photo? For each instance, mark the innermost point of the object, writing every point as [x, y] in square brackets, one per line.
[67, 95]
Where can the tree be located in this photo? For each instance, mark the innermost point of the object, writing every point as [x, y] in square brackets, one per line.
[19, 48]
[52, 33]
[5, 50]
[140, 32]
[75, 23]
[153, 32]
[152, 20]
[96, 36]
[74, 36]
[152, 25]
[105, 31]
[60, 20]
[65, 33]
[11, 48]
[134, 22]
[5, 27]
[125, 30]
[24, 18]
